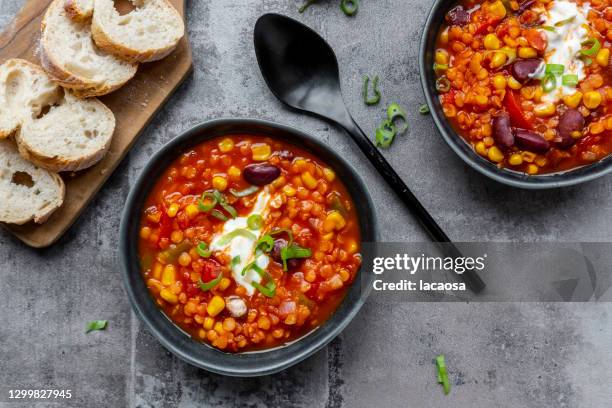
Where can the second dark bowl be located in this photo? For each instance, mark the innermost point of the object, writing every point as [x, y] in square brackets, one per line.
[179, 342]
[462, 148]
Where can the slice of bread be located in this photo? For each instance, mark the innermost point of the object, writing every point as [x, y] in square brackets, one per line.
[148, 33]
[25, 90]
[28, 192]
[73, 135]
[71, 58]
[79, 10]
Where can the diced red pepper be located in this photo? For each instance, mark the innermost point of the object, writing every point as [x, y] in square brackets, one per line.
[210, 270]
[516, 114]
[484, 25]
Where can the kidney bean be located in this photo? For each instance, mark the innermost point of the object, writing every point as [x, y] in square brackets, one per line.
[458, 16]
[522, 69]
[528, 140]
[524, 6]
[261, 174]
[502, 133]
[571, 121]
[280, 243]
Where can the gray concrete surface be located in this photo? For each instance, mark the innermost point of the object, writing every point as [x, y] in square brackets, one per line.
[499, 355]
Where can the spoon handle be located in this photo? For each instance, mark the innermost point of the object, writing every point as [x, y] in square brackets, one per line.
[471, 278]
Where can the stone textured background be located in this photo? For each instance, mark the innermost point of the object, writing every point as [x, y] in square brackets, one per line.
[499, 355]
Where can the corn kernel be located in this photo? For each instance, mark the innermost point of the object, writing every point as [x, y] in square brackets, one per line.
[334, 221]
[218, 327]
[184, 259]
[603, 57]
[481, 149]
[592, 99]
[495, 155]
[192, 210]
[515, 160]
[172, 210]
[145, 232]
[527, 52]
[572, 101]
[224, 284]
[498, 60]
[288, 190]
[544, 110]
[309, 180]
[514, 84]
[215, 306]
[168, 296]
[234, 172]
[169, 275]
[532, 169]
[226, 145]
[157, 270]
[499, 82]
[481, 100]
[441, 56]
[329, 174]
[176, 236]
[219, 183]
[497, 9]
[261, 151]
[352, 247]
[208, 323]
[491, 42]
[328, 237]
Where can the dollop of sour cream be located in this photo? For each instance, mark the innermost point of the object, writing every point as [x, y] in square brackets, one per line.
[565, 43]
[244, 247]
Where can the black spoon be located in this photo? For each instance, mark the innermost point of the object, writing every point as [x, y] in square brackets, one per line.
[301, 70]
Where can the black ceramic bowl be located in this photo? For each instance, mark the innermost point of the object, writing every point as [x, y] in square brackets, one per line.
[170, 335]
[462, 148]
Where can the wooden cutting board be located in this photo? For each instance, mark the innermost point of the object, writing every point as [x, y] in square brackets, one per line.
[134, 106]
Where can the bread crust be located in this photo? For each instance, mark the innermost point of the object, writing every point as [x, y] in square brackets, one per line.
[105, 42]
[75, 12]
[82, 87]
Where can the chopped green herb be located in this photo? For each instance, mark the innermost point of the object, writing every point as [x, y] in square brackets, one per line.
[265, 243]
[549, 82]
[395, 112]
[565, 22]
[595, 47]
[203, 251]
[443, 374]
[569, 80]
[268, 289]
[349, 7]
[206, 286]
[287, 231]
[555, 69]
[423, 109]
[385, 134]
[548, 28]
[240, 232]
[235, 261]
[244, 193]
[207, 202]
[374, 100]
[96, 325]
[219, 215]
[255, 221]
[294, 251]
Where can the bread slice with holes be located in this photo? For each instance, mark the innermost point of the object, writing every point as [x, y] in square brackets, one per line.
[71, 58]
[73, 135]
[79, 10]
[25, 90]
[148, 33]
[28, 192]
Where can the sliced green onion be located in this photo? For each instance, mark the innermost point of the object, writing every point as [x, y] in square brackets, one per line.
[294, 252]
[385, 134]
[219, 215]
[171, 254]
[240, 232]
[287, 231]
[96, 325]
[265, 243]
[548, 28]
[307, 4]
[203, 250]
[269, 289]
[206, 206]
[394, 112]
[443, 374]
[569, 80]
[255, 221]
[440, 67]
[235, 261]
[594, 44]
[555, 69]
[244, 193]
[423, 109]
[230, 210]
[587, 61]
[206, 286]
[549, 82]
[443, 84]
[349, 7]
[565, 22]
[366, 98]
